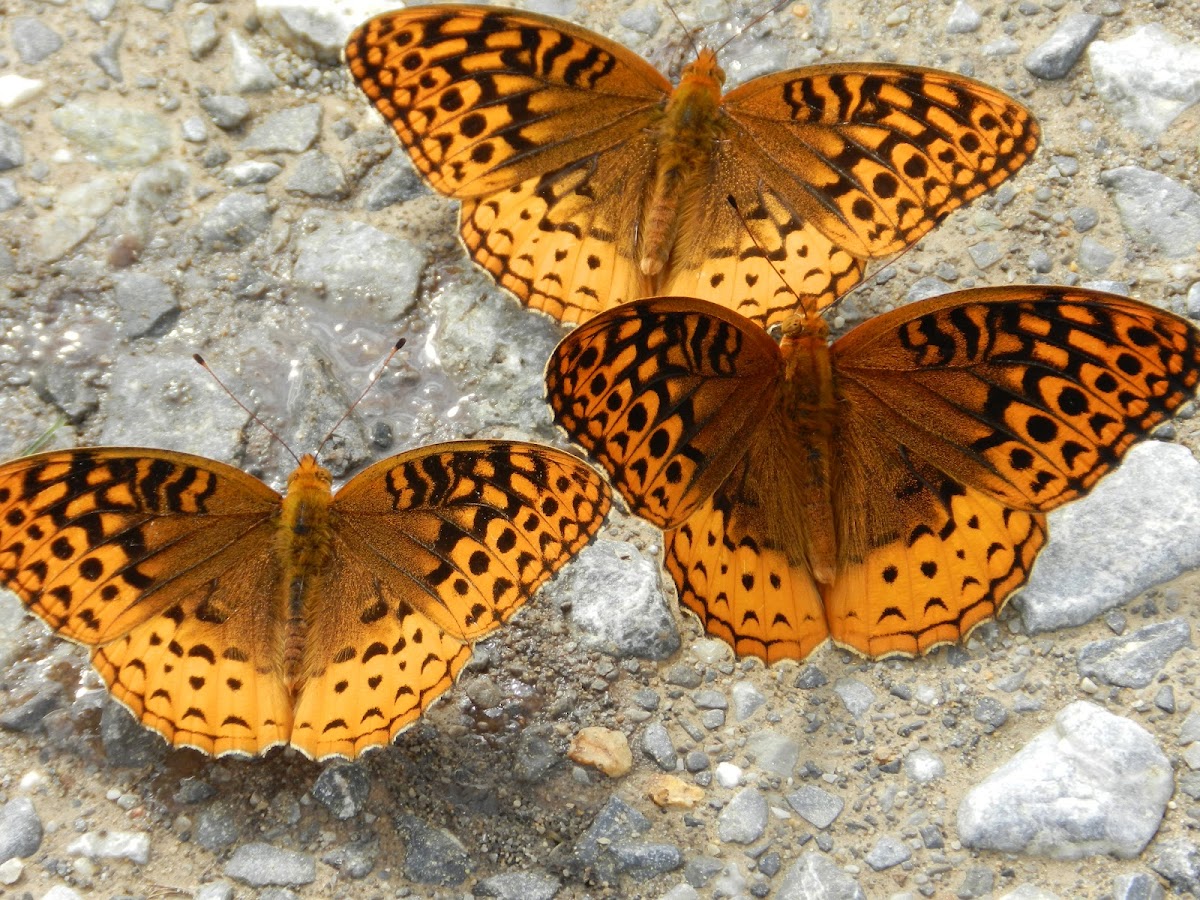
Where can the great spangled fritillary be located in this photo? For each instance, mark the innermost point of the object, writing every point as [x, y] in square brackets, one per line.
[587, 180]
[888, 490]
[232, 619]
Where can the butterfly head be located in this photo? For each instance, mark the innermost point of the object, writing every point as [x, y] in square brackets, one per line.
[310, 475]
[704, 71]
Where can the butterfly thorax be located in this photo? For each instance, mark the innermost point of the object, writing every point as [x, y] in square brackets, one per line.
[687, 134]
[305, 542]
[794, 448]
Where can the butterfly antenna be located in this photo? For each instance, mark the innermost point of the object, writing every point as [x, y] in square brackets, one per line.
[763, 17]
[687, 31]
[370, 384]
[251, 413]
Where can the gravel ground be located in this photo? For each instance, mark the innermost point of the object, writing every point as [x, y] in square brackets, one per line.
[183, 177]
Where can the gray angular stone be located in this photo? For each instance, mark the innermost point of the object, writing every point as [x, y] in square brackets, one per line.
[656, 744]
[1093, 783]
[433, 855]
[1084, 218]
[27, 716]
[12, 151]
[33, 40]
[923, 766]
[990, 712]
[814, 876]
[193, 130]
[114, 136]
[1137, 886]
[700, 870]
[710, 700]
[1158, 488]
[1134, 660]
[260, 865]
[518, 886]
[643, 19]
[1040, 261]
[616, 823]
[1156, 210]
[924, 288]
[773, 752]
[250, 172]
[20, 829]
[394, 181]
[1094, 258]
[645, 860]
[248, 73]
[887, 852]
[342, 789]
[217, 828]
[630, 617]
[683, 675]
[811, 677]
[855, 696]
[234, 222]
[226, 111]
[816, 806]
[985, 254]
[317, 175]
[108, 56]
[291, 130]
[1178, 861]
[1054, 57]
[361, 271]
[193, 790]
[744, 818]
[747, 700]
[10, 197]
[537, 755]
[963, 19]
[356, 859]
[978, 882]
[148, 305]
[1148, 77]
[202, 35]
[126, 741]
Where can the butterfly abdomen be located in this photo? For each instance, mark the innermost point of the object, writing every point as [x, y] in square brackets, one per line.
[688, 132]
[305, 540]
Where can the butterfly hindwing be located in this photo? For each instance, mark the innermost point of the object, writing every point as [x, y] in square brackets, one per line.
[659, 396]
[436, 548]
[735, 576]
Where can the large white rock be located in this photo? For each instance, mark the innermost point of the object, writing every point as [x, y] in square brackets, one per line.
[1138, 528]
[1147, 78]
[318, 28]
[1091, 784]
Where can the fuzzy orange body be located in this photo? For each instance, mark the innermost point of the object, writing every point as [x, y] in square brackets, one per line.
[305, 539]
[686, 140]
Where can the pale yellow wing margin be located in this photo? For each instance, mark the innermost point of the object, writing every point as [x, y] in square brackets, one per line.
[739, 581]
[133, 552]
[434, 549]
[485, 98]
[662, 392]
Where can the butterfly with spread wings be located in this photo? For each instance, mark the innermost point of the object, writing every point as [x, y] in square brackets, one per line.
[232, 619]
[587, 179]
[888, 490]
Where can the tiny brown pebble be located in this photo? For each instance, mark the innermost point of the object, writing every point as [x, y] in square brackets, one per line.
[603, 749]
[668, 791]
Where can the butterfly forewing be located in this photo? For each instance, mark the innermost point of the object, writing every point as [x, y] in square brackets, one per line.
[486, 98]
[162, 561]
[876, 155]
[1031, 393]
[662, 398]
[435, 549]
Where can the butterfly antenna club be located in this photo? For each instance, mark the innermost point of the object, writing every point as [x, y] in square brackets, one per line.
[370, 384]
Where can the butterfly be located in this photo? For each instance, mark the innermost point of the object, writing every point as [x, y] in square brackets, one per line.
[588, 180]
[888, 490]
[232, 619]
